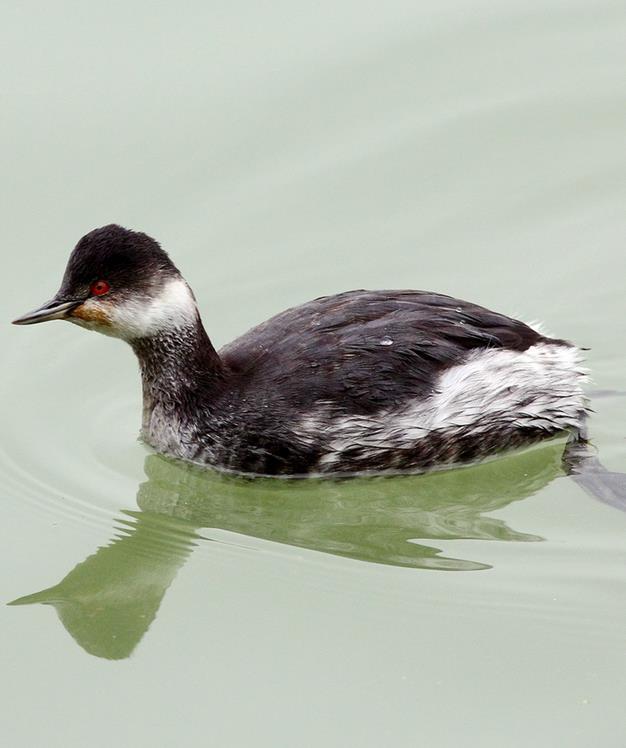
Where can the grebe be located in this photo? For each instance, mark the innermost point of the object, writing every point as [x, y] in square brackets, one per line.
[360, 381]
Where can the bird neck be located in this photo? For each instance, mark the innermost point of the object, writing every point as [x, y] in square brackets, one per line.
[180, 368]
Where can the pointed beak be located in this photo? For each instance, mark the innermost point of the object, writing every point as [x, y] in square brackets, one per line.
[54, 309]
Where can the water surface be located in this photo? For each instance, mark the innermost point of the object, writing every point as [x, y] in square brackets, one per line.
[279, 153]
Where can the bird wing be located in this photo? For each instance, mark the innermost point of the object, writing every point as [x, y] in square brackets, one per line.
[363, 350]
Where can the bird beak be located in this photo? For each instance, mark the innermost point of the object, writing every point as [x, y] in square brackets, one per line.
[54, 309]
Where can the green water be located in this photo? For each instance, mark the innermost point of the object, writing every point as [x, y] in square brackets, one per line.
[281, 152]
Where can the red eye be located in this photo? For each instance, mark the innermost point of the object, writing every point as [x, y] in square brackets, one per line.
[99, 288]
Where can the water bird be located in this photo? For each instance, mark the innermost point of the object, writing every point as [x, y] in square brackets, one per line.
[361, 381]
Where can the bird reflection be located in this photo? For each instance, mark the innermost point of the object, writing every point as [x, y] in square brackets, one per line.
[108, 601]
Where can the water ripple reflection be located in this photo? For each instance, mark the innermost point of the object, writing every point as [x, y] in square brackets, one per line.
[108, 601]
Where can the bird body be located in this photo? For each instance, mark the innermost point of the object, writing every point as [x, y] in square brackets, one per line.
[360, 381]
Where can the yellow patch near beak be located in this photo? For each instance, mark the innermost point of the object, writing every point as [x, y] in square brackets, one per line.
[92, 312]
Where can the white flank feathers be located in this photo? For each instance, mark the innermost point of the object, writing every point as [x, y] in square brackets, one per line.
[537, 388]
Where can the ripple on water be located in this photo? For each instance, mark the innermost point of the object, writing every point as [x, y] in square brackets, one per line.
[74, 454]
[108, 600]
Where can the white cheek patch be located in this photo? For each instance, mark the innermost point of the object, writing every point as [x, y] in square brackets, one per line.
[174, 307]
